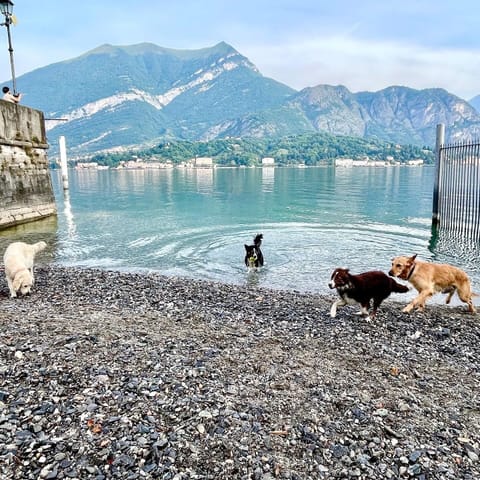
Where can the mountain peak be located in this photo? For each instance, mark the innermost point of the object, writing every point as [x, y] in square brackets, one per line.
[220, 48]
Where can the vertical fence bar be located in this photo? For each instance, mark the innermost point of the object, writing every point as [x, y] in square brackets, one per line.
[456, 175]
[469, 190]
[466, 190]
[453, 183]
[476, 199]
[456, 190]
[442, 188]
[461, 189]
[440, 140]
[446, 191]
[449, 187]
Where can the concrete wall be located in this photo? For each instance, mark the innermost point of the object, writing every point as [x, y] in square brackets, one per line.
[26, 192]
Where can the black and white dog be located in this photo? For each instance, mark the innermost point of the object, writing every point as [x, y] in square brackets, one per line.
[253, 254]
[363, 288]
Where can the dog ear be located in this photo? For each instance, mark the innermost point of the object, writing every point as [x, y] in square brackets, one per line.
[412, 259]
[246, 246]
[17, 282]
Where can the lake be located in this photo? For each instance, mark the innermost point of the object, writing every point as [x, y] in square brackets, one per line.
[194, 222]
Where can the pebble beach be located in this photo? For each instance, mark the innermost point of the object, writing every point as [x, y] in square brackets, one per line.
[140, 376]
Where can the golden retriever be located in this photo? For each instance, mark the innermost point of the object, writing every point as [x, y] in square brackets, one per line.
[18, 260]
[430, 278]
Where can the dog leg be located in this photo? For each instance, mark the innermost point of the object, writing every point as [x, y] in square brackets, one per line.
[13, 293]
[409, 308]
[338, 303]
[469, 302]
[363, 312]
[465, 296]
[450, 291]
[412, 305]
[418, 302]
[422, 300]
[376, 304]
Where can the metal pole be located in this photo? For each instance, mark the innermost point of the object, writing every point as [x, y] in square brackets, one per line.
[8, 21]
[439, 143]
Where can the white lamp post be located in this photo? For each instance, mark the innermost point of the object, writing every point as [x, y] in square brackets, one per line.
[6, 8]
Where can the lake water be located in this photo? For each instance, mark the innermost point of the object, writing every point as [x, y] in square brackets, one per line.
[194, 223]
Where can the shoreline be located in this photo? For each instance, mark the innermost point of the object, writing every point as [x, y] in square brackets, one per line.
[145, 376]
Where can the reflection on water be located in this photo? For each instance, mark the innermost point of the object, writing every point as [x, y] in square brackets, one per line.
[67, 210]
[268, 178]
[253, 277]
[203, 178]
[448, 246]
[45, 229]
[194, 223]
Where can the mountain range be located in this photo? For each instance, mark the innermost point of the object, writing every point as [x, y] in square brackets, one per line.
[116, 97]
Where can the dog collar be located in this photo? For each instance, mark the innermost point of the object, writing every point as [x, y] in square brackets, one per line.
[410, 273]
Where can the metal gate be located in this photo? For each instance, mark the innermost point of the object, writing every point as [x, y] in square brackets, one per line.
[456, 195]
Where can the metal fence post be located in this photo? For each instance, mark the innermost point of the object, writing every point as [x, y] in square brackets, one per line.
[438, 144]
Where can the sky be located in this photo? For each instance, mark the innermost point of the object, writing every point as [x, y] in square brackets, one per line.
[365, 45]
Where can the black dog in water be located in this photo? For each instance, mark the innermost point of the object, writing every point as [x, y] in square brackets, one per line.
[253, 254]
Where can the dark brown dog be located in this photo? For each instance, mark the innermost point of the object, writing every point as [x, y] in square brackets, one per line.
[363, 288]
[430, 278]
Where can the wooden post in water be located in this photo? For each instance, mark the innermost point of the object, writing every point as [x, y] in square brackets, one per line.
[438, 144]
[63, 161]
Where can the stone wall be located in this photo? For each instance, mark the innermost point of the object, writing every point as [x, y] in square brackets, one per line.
[26, 192]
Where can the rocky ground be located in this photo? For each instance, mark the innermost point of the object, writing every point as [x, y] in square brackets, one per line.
[110, 375]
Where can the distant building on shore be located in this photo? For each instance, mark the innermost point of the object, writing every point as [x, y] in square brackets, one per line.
[141, 165]
[268, 162]
[86, 165]
[415, 162]
[349, 162]
[203, 162]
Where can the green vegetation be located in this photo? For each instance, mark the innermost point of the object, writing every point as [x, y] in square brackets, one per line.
[310, 149]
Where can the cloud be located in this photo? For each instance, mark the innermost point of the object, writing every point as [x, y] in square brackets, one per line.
[367, 65]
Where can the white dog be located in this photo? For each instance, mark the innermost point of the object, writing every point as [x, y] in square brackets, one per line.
[18, 260]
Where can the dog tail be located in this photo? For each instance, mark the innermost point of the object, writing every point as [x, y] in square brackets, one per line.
[398, 287]
[257, 241]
